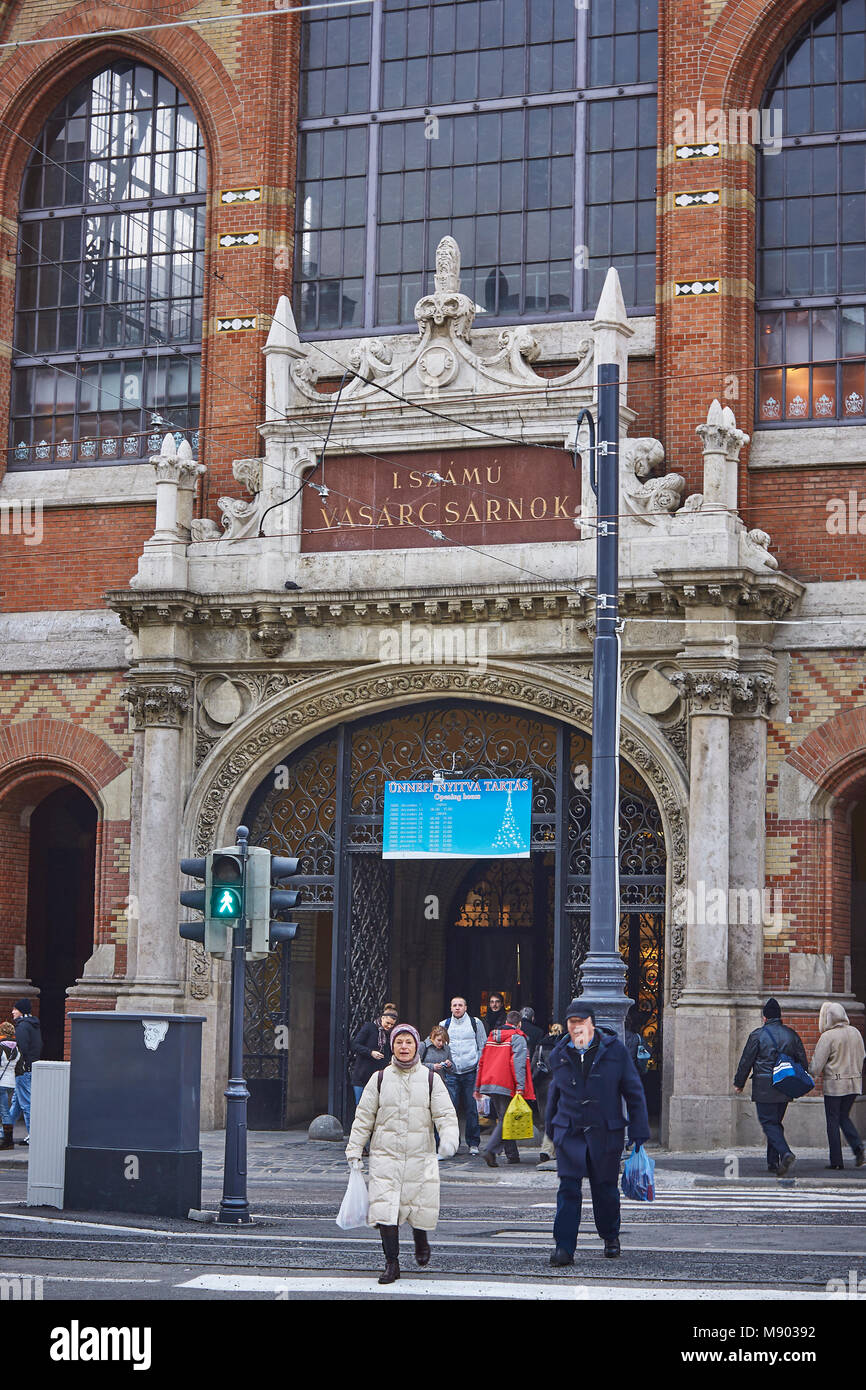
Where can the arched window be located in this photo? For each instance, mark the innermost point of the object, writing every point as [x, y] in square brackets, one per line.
[812, 228]
[526, 129]
[110, 268]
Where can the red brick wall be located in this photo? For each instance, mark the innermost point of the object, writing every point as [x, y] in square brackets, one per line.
[84, 551]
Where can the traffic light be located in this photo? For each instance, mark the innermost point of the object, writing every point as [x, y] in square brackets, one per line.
[220, 901]
[267, 902]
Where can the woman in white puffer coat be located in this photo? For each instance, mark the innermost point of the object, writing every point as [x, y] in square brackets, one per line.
[395, 1116]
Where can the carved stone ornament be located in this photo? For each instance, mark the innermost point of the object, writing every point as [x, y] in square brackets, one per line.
[706, 692]
[726, 692]
[443, 358]
[754, 693]
[175, 463]
[154, 1034]
[359, 693]
[199, 972]
[271, 486]
[157, 706]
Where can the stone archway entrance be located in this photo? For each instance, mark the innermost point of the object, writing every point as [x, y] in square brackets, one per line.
[372, 931]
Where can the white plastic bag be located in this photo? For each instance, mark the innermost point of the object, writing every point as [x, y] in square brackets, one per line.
[355, 1204]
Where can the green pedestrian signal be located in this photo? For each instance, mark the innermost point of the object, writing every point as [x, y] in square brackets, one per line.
[226, 903]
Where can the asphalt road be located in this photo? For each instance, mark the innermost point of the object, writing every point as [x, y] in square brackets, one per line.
[709, 1243]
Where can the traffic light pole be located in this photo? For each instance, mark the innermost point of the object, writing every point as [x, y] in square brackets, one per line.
[604, 972]
[234, 1208]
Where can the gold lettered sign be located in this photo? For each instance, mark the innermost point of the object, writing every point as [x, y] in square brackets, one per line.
[489, 496]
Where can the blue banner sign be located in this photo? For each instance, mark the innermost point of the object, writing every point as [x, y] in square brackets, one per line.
[458, 820]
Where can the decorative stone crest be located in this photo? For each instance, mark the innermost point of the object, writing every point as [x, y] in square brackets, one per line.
[157, 706]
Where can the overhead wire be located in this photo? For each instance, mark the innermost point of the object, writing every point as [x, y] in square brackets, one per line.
[189, 23]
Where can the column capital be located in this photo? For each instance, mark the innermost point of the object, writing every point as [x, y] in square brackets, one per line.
[720, 690]
[159, 705]
[708, 691]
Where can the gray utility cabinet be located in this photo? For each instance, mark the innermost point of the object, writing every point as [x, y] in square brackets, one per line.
[134, 1109]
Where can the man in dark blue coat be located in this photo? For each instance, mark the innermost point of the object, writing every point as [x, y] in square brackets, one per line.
[592, 1075]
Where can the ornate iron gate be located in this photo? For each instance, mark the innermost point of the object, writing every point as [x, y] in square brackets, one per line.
[328, 809]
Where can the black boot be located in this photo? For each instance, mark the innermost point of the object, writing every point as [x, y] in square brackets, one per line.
[390, 1236]
[8, 1141]
[422, 1247]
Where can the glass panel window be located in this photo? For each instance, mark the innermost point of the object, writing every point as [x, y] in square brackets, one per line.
[114, 280]
[811, 218]
[501, 180]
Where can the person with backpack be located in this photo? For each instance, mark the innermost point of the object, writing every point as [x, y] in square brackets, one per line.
[466, 1039]
[8, 1060]
[763, 1049]
[396, 1115]
[28, 1036]
[838, 1057]
[637, 1048]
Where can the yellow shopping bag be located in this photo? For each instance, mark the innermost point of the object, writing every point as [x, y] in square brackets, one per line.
[517, 1123]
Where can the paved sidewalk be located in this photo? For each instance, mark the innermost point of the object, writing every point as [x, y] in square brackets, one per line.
[276, 1156]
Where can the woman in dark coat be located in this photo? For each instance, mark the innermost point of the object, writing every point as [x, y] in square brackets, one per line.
[372, 1048]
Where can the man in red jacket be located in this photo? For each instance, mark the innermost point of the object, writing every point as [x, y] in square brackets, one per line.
[503, 1069]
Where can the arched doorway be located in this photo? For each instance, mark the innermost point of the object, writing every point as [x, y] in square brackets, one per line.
[373, 930]
[60, 897]
[500, 935]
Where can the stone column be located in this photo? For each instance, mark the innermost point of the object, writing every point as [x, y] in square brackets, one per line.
[702, 1109]
[163, 563]
[156, 985]
[722, 443]
[753, 695]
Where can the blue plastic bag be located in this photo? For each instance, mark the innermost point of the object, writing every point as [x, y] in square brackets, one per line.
[638, 1176]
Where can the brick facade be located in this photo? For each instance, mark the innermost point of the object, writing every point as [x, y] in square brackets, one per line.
[241, 79]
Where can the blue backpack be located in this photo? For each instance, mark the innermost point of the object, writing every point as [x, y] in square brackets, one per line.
[790, 1078]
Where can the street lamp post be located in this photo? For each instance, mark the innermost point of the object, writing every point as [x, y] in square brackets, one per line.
[603, 971]
[234, 1208]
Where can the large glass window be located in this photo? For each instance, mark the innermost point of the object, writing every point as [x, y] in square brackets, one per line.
[811, 269]
[526, 129]
[110, 275]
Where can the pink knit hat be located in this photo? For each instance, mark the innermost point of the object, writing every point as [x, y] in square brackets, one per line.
[405, 1028]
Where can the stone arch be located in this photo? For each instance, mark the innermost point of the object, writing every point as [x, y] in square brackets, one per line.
[282, 723]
